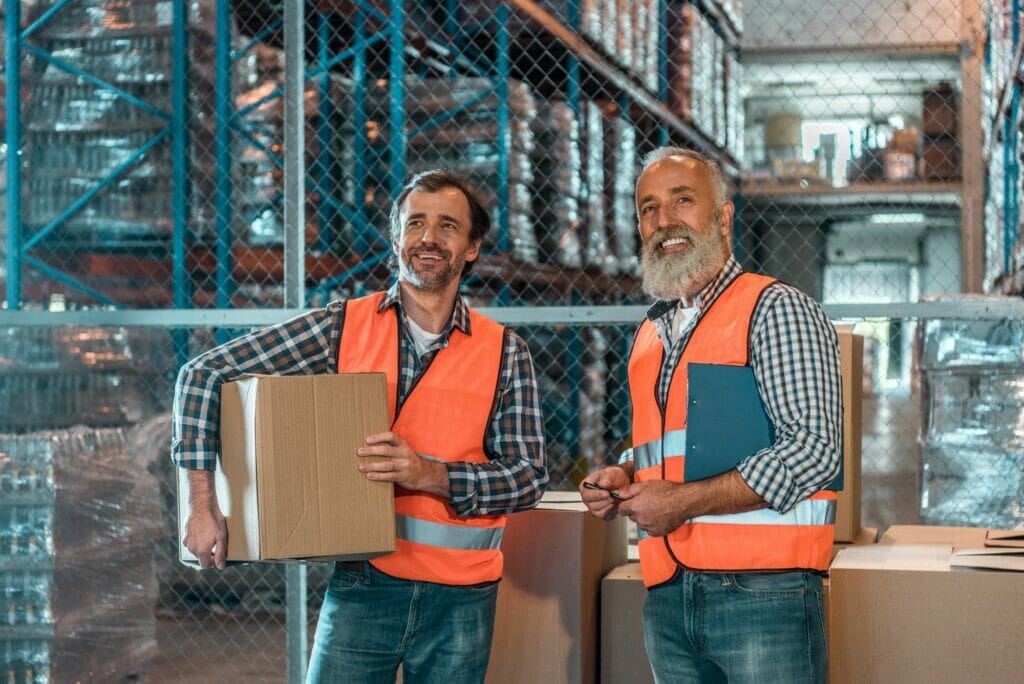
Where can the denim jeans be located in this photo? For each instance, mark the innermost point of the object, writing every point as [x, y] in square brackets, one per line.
[371, 622]
[739, 628]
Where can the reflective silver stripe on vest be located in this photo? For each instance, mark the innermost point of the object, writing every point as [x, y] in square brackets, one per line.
[448, 536]
[649, 454]
[807, 512]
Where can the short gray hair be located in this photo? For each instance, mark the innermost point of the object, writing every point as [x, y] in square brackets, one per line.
[718, 188]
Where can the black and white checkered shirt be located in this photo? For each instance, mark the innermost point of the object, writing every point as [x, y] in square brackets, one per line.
[513, 479]
[795, 358]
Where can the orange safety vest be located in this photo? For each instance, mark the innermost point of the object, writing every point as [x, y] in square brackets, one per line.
[445, 418]
[741, 542]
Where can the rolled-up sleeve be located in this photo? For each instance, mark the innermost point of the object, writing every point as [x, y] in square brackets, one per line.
[304, 345]
[795, 357]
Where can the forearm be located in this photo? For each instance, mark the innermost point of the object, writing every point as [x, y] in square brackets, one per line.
[724, 494]
[202, 492]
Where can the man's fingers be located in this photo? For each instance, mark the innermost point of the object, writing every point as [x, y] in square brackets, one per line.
[383, 438]
[386, 450]
[220, 552]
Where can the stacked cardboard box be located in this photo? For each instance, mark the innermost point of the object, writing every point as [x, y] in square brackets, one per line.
[902, 611]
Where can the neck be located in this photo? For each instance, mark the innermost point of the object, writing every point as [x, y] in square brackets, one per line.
[430, 311]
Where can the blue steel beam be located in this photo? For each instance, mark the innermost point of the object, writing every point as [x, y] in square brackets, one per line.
[662, 38]
[62, 277]
[1011, 169]
[256, 40]
[397, 74]
[45, 17]
[222, 153]
[365, 233]
[99, 187]
[323, 166]
[504, 127]
[96, 81]
[13, 104]
[180, 285]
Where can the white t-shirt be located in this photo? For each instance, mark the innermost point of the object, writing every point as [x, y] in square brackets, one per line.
[421, 339]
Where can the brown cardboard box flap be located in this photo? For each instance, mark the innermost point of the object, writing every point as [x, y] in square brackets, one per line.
[988, 558]
[911, 557]
[1007, 538]
[960, 537]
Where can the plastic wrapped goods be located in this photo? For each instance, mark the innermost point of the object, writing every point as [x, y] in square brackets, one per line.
[79, 514]
[557, 186]
[452, 123]
[59, 377]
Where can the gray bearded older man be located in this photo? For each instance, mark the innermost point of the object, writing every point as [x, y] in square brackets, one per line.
[733, 563]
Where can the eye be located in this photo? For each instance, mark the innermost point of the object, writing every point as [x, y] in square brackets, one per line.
[684, 199]
[646, 210]
[449, 226]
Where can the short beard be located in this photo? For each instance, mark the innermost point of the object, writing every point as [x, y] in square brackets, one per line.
[433, 283]
[673, 276]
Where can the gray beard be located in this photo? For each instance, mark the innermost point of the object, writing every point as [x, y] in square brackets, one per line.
[673, 276]
[434, 283]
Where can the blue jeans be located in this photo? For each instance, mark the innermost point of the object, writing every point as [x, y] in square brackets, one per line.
[737, 628]
[371, 622]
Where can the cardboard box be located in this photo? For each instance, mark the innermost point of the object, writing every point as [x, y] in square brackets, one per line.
[287, 478]
[546, 628]
[851, 365]
[624, 659]
[866, 535]
[900, 611]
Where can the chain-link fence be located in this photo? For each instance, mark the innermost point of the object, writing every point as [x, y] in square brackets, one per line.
[872, 148]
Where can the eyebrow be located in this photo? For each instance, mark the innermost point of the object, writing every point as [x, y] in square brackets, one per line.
[675, 191]
[445, 217]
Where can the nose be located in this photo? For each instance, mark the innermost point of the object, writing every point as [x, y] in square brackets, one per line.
[430, 233]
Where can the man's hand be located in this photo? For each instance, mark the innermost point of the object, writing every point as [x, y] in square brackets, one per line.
[403, 466]
[206, 533]
[657, 507]
[599, 501]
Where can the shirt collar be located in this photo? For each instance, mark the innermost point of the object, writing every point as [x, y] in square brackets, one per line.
[709, 293]
[459, 319]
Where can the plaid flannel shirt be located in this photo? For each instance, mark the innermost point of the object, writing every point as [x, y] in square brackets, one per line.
[795, 357]
[512, 479]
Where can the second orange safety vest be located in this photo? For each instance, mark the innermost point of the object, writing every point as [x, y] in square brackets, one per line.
[444, 417]
[761, 540]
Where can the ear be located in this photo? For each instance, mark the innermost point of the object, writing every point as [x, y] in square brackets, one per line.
[474, 250]
[728, 212]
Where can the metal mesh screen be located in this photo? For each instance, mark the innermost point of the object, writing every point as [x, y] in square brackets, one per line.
[872, 151]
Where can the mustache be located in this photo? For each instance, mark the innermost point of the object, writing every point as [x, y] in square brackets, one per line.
[679, 230]
[436, 251]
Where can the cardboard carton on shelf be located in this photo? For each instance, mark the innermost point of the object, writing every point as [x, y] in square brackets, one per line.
[851, 367]
[548, 616]
[920, 606]
[287, 478]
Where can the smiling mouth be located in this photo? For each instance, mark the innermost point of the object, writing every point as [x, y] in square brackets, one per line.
[429, 257]
[674, 244]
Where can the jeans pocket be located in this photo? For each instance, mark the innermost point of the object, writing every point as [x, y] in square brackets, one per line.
[768, 583]
[343, 579]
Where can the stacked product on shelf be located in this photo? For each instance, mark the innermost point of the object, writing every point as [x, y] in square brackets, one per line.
[453, 123]
[77, 132]
[597, 248]
[622, 162]
[705, 76]
[940, 150]
[558, 188]
[972, 404]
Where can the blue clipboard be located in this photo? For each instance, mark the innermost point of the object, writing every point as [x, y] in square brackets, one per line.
[726, 421]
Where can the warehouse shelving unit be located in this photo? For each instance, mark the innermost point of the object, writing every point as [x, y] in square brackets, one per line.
[174, 271]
